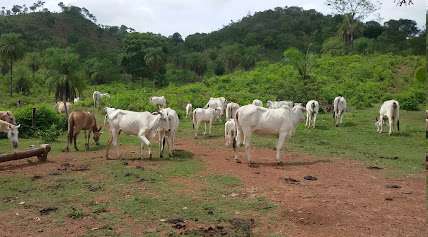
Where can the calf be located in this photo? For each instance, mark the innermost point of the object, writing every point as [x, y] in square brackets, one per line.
[189, 109]
[215, 103]
[8, 117]
[98, 96]
[251, 118]
[206, 116]
[391, 110]
[86, 121]
[168, 135]
[159, 101]
[60, 108]
[12, 132]
[339, 108]
[312, 108]
[144, 125]
[231, 109]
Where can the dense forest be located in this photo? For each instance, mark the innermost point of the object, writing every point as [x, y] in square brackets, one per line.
[64, 52]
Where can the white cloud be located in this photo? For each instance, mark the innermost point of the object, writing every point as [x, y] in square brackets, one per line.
[190, 16]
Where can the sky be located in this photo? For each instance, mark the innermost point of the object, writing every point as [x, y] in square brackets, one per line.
[190, 16]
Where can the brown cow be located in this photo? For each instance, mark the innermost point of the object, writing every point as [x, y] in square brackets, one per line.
[8, 117]
[79, 120]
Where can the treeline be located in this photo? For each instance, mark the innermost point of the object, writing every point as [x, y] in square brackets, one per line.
[95, 54]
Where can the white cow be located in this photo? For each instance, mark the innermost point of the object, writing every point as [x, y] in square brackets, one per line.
[231, 109]
[215, 103]
[390, 109]
[159, 101]
[98, 96]
[60, 108]
[189, 109]
[229, 132]
[144, 125]
[76, 100]
[206, 116]
[251, 118]
[11, 131]
[279, 104]
[258, 102]
[339, 108]
[312, 108]
[168, 135]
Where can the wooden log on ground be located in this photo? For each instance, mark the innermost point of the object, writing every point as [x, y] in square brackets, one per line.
[41, 153]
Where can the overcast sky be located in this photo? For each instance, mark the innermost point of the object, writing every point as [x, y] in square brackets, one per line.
[191, 16]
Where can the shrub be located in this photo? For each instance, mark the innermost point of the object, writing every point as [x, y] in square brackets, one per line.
[46, 117]
[409, 100]
[49, 135]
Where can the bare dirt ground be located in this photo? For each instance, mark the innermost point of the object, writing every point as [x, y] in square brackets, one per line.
[347, 199]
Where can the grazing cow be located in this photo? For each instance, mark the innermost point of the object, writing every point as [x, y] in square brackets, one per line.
[204, 115]
[251, 118]
[144, 125]
[231, 109]
[390, 109]
[312, 108]
[8, 117]
[279, 104]
[86, 121]
[159, 101]
[76, 100]
[229, 132]
[189, 109]
[60, 108]
[339, 108]
[168, 135]
[258, 102]
[98, 96]
[12, 132]
[215, 103]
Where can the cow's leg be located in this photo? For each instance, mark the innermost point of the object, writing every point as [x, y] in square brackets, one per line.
[196, 128]
[314, 120]
[87, 136]
[161, 143]
[391, 124]
[145, 141]
[75, 140]
[112, 140]
[307, 120]
[381, 125]
[211, 126]
[280, 143]
[341, 117]
[205, 130]
[247, 144]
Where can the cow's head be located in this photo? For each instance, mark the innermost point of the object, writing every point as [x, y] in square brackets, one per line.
[299, 111]
[97, 135]
[12, 134]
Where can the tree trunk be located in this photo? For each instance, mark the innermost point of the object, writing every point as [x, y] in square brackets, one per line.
[64, 99]
[11, 79]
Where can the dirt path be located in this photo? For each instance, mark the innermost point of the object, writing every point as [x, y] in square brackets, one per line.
[348, 199]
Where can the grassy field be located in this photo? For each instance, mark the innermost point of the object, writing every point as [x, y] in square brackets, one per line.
[115, 193]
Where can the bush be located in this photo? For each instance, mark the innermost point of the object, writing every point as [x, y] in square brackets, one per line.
[409, 100]
[49, 135]
[46, 117]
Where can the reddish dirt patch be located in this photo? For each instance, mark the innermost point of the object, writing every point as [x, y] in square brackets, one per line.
[347, 199]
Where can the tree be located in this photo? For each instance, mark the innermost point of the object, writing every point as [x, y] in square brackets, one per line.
[11, 49]
[33, 61]
[353, 11]
[63, 64]
[301, 62]
[176, 38]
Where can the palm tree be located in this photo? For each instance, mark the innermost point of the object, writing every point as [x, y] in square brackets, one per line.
[11, 49]
[63, 64]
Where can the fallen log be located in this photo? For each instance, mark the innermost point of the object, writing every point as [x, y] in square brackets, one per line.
[41, 153]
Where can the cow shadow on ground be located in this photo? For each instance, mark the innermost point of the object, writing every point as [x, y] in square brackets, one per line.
[178, 155]
[287, 164]
[29, 163]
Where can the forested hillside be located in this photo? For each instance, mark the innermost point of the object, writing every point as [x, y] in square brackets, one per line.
[65, 52]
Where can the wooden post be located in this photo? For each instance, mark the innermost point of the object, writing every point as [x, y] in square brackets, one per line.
[33, 118]
[41, 153]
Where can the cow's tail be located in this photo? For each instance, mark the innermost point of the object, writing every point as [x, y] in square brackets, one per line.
[193, 119]
[395, 114]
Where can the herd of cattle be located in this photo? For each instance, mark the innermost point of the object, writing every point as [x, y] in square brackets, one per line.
[278, 117]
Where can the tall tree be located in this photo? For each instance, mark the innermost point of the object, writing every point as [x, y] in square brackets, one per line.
[302, 62]
[353, 11]
[33, 62]
[64, 63]
[11, 49]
